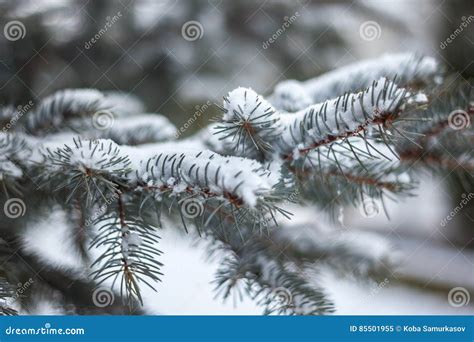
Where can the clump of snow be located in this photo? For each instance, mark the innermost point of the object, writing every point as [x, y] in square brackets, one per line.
[101, 154]
[408, 67]
[244, 104]
[139, 129]
[338, 117]
[290, 96]
[241, 177]
[123, 104]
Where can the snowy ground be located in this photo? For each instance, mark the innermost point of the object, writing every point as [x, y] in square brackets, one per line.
[186, 290]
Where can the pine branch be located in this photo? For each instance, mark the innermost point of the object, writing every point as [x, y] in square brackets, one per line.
[131, 254]
[409, 69]
[267, 277]
[444, 133]
[249, 124]
[13, 150]
[61, 108]
[338, 119]
[142, 129]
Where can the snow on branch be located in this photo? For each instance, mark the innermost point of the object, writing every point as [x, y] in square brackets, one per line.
[337, 119]
[13, 151]
[243, 180]
[408, 68]
[274, 282]
[55, 110]
[249, 124]
[141, 129]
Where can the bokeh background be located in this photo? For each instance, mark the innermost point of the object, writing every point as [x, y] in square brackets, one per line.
[177, 55]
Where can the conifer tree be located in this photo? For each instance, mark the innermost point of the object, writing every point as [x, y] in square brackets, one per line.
[118, 177]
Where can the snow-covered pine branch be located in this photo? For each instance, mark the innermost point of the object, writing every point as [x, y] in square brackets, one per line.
[304, 142]
[56, 110]
[249, 125]
[250, 122]
[409, 69]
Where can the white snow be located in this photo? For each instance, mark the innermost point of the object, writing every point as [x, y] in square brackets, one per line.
[361, 74]
[290, 96]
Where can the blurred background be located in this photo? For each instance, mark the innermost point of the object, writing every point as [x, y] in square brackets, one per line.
[175, 56]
